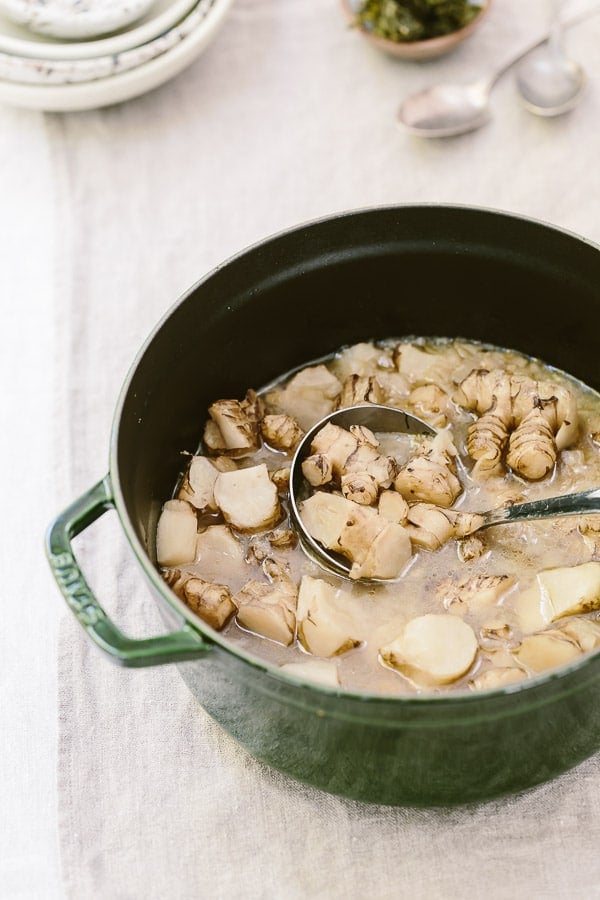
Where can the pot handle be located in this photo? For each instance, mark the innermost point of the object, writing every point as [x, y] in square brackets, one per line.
[175, 647]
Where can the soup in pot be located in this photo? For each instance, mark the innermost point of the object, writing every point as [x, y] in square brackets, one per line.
[431, 604]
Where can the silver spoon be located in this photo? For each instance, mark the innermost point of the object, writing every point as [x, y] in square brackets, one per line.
[549, 83]
[388, 419]
[444, 110]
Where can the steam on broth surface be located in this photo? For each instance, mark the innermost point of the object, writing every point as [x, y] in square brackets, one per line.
[458, 610]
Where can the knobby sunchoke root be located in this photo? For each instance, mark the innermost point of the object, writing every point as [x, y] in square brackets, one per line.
[522, 423]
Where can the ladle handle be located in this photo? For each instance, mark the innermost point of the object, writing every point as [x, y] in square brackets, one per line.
[568, 505]
[175, 647]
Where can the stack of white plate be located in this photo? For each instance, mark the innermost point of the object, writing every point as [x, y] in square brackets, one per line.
[150, 41]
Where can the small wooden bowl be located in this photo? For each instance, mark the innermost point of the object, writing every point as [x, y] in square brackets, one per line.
[420, 50]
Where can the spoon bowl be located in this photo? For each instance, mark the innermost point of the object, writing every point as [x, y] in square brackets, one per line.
[549, 85]
[445, 110]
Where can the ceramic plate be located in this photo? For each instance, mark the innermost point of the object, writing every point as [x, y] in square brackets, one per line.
[43, 71]
[74, 19]
[19, 41]
[124, 86]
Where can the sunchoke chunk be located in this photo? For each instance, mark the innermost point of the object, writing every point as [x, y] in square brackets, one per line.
[572, 589]
[308, 396]
[376, 547]
[393, 507]
[585, 631]
[430, 526]
[474, 592]
[432, 649]
[218, 539]
[211, 602]
[547, 649]
[198, 484]
[281, 432]
[248, 498]
[268, 609]
[430, 475]
[359, 389]
[176, 534]
[321, 671]
[429, 402]
[237, 423]
[323, 627]
[497, 678]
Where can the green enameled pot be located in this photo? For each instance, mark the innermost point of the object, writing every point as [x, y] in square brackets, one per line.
[377, 273]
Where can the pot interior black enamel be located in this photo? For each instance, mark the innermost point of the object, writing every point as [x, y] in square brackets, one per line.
[388, 272]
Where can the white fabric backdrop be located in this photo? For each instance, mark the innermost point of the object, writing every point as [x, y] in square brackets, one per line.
[108, 216]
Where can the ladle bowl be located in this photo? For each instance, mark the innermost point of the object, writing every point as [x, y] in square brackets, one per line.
[378, 419]
[388, 419]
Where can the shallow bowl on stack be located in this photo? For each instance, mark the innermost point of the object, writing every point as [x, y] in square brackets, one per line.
[40, 71]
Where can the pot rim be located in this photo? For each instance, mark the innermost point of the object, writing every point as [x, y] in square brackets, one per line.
[456, 698]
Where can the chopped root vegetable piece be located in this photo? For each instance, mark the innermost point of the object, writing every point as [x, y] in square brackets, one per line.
[248, 498]
[213, 439]
[572, 589]
[393, 507]
[198, 484]
[430, 526]
[430, 475]
[429, 402]
[362, 359]
[317, 469]
[176, 534]
[585, 631]
[224, 464]
[497, 678]
[358, 389]
[323, 627]
[432, 649]
[415, 362]
[281, 432]
[281, 479]
[324, 516]
[282, 538]
[218, 539]
[545, 650]
[387, 555]
[237, 424]
[475, 592]
[211, 602]
[308, 396]
[360, 487]
[471, 547]
[338, 443]
[376, 547]
[268, 609]
[321, 671]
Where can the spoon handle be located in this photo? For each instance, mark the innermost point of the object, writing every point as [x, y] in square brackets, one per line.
[568, 505]
[564, 24]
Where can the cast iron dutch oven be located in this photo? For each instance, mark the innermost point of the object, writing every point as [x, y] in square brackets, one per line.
[376, 273]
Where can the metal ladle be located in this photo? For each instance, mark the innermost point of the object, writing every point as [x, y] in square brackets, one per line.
[555, 85]
[390, 420]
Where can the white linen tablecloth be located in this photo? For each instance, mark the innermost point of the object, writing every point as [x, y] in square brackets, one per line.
[108, 216]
